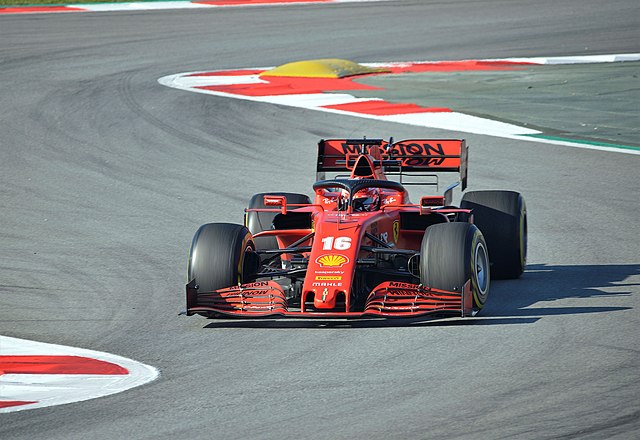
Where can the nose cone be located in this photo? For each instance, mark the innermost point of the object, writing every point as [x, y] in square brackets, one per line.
[330, 277]
[331, 261]
[325, 298]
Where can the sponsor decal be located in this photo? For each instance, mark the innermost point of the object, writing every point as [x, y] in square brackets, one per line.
[328, 278]
[399, 285]
[329, 272]
[332, 260]
[396, 230]
[425, 154]
[255, 285]
[420, 151]
[325, 292]
[326, 284]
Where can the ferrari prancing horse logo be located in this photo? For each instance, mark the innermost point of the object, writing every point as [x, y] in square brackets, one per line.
[396, 230]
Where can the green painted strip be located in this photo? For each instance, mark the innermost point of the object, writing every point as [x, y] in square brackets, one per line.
[580, 141]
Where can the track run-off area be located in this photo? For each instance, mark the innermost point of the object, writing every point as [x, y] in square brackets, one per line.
[106, 174]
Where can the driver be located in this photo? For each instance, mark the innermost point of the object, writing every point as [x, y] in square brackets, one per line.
[366, 200]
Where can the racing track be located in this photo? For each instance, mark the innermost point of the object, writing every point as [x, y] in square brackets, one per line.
[105, 175]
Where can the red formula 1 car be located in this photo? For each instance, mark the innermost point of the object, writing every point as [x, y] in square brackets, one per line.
[360, 247]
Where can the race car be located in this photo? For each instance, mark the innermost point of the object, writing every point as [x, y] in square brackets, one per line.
[360, 247]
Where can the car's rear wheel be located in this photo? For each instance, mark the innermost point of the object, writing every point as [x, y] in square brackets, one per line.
[221, 255]
[262, 221]
[453, 253]
[502, 218]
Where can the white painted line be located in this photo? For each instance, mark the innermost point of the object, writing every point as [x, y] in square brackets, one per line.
[314, 100]
[139, 6]
[199, 81]
[158, 5]
[152, 6]
[578, 59]
[454, 121]
[584, 59]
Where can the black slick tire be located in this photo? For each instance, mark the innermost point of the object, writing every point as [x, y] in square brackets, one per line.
[502, 218]
[453, 253]
[221, 256]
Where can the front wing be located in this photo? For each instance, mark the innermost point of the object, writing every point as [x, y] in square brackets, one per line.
[389, 299]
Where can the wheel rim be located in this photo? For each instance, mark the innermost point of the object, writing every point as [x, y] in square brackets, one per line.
[248, 246]
[482, 268]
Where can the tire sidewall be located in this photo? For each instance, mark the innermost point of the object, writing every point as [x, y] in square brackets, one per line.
[217, 255]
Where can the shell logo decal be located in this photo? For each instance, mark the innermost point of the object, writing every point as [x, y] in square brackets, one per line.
[332, 260]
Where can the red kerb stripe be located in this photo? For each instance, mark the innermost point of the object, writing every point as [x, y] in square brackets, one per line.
[33, 9]
[9, 403]
[384, 108]
[458, 66]
[57, 365]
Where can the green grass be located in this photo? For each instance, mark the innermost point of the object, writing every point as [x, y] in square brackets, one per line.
[59, 2]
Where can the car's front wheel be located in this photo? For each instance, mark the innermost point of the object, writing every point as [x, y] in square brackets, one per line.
[221, 255]
[453, 253]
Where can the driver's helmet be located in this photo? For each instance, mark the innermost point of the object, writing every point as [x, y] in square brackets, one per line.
[366, 200]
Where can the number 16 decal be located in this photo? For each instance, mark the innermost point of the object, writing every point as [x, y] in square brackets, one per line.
[337, 243]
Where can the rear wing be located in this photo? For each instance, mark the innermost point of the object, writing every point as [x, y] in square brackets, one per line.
[406, 156]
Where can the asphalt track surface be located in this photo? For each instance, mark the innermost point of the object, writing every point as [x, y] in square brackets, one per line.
[105, 175]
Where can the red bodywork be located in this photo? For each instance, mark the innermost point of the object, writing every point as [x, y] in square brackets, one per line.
[344, 249]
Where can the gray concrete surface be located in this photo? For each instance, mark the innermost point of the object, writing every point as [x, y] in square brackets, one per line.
[105, 175]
